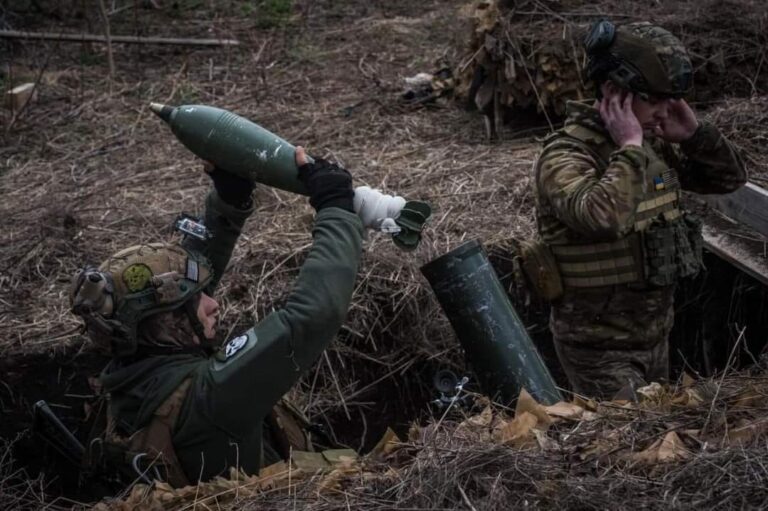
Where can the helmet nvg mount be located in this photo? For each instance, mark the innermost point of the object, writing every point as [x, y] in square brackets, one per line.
[133, 284]
[641, 57]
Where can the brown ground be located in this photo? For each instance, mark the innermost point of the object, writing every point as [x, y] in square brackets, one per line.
[87, 170]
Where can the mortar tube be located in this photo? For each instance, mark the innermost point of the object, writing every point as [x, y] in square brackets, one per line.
[494, 339]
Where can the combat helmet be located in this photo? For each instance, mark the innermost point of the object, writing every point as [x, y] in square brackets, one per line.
[643, 58]
[133, 284]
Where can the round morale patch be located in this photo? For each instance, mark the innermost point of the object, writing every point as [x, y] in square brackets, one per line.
[234, 345]
[136, 277]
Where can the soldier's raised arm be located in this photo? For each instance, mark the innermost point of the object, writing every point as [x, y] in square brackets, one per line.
[227, 207]
[242, 383]
[707, 162]
[596, 203]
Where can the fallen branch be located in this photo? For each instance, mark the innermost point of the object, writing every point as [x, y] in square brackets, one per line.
[108, 36]
[128, 39]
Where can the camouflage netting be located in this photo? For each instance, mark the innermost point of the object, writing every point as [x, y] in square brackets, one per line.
[527, 54]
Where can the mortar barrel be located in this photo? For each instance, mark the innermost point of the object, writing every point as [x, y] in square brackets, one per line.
[494, 339]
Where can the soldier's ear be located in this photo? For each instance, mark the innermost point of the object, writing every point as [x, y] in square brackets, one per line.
[607, 87]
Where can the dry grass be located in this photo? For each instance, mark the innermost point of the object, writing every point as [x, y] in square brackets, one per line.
[743, 121]
[17, 490]
[86, 172]
[532, 49]
[694, 445]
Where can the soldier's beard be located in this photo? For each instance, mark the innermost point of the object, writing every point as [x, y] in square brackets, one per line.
[170, 329]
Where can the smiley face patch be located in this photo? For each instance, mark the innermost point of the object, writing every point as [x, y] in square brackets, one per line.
[136, 277]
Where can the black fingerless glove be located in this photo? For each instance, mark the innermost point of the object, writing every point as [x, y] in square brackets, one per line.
[329, 185]
[233, 189]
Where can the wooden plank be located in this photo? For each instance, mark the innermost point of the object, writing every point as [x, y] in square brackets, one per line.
[722, 245]
[94, 38]
[748, 205]
[16, 98]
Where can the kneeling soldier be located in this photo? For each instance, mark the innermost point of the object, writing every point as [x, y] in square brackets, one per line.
[178, 403]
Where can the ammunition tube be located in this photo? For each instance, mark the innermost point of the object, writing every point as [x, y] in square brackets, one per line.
[494, 339]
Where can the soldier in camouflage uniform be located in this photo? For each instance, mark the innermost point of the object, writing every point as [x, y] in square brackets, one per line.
[181, 408]
[607, 190]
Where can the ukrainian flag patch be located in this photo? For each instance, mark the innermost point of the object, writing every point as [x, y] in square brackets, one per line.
[658, 183]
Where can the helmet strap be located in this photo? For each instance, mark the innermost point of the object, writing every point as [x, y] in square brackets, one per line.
[190, 307]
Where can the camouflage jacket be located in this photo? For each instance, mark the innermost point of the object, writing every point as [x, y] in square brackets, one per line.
[582, 197]
[220, 424]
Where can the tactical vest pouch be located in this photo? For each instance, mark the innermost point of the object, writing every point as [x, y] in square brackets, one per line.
[289, 428]
[673, 250]
[148, 454]
[540, 269]
[660, 243]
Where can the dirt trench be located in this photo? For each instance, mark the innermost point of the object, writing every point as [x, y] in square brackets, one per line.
[333, 82]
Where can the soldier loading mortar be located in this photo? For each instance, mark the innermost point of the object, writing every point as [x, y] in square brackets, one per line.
[195, 409]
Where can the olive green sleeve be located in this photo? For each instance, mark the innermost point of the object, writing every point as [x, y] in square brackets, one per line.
[255, 369]
[224, 222]
[597, 206]
[709, 163]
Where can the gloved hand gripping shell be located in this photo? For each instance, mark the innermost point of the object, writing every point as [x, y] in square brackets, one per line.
[328, 184]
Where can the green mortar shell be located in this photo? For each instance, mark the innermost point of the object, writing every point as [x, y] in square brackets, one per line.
[495, 340]
[232, 142]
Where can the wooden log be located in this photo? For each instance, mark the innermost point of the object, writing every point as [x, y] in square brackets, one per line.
[108, 36]
[16, 98]
[748, 205]
[728, 249]
[127, 39]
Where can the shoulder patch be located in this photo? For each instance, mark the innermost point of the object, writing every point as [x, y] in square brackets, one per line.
[235, 345]
[193, 272]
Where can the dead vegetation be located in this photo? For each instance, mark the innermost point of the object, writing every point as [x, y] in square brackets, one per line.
[693, 445]
[528, 55]
[743, 121]
[17, 489]
[86, 171]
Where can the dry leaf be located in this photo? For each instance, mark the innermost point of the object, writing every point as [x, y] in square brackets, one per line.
[481, 420]
[651, 392]
[388, 443]
[564, 410]
[526, 404]
[545, 443]
[649, 455]
[587, 404]
[589, 416]
[517, 432]
[688, 397]
[665, 450]
[672, 448]
[275, 475]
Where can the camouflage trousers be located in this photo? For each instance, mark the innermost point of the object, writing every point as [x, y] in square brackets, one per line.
[609, 337]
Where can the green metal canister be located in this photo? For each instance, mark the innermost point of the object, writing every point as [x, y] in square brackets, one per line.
[234, 143]
[495, 340]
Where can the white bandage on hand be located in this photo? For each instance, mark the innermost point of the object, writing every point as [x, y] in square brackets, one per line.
[378, 211]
